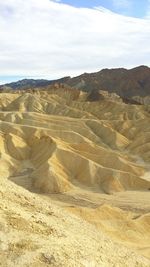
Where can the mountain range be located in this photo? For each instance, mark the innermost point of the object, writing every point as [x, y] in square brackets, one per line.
[128, 84]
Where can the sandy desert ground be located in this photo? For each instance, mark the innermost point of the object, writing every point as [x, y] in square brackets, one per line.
[74, 181]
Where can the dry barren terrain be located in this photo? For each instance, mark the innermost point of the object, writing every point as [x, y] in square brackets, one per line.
[74, 181]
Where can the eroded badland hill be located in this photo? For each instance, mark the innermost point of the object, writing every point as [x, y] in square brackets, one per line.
[74, 180]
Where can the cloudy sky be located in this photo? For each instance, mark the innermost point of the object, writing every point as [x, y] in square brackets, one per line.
[51, 39]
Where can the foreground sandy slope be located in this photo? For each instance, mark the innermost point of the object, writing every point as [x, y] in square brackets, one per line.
[75, 181]
[37, 233]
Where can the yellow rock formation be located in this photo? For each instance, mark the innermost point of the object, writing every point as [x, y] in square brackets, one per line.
[74, 181]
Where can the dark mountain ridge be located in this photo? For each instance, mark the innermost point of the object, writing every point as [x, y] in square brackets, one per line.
[32, 83]
[125, 83]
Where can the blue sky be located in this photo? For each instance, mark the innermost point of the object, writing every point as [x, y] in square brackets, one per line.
[135, 8]
[54, 38]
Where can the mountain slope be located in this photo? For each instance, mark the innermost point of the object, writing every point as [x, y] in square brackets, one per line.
[74, 180]
[125, 83]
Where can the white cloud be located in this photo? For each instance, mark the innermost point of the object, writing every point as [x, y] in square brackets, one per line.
[49, 39]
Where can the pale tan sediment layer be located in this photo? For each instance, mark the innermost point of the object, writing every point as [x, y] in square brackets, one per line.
[91, 159]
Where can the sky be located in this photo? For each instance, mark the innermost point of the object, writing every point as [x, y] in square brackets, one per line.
[135, 8]
[52, 39]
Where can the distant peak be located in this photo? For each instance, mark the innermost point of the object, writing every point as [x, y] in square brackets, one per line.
[141, 67]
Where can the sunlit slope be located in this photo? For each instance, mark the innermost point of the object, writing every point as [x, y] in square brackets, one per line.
[36, 233]
[102, 144]
[89, 158]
